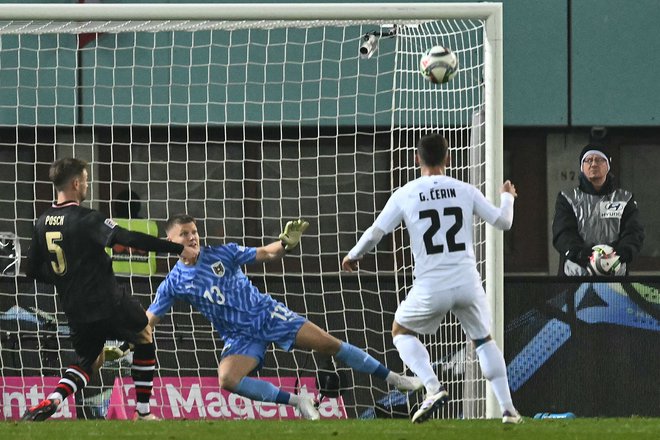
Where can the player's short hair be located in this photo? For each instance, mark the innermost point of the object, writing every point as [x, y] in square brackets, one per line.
[178, 219]
[63, 170]
[432, 149]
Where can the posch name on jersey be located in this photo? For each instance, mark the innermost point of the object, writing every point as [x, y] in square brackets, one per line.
[54, 220]
[437, 194]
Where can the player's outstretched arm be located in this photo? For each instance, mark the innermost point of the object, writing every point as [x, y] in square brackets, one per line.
[292, 233]
[148, 242]
[289, 240]
[367, 242]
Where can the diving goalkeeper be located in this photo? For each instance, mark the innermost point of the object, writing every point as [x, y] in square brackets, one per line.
[247, 320]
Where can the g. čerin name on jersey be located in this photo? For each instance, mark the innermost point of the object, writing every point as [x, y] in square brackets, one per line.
[54, 220]
[437, 194]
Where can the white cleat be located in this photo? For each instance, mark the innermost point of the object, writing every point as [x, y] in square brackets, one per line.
[409, 383]
[430, 405]
[513, 419]
[308, 409]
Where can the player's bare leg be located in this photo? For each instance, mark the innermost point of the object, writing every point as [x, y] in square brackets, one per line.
[312, 337]
[232, 375]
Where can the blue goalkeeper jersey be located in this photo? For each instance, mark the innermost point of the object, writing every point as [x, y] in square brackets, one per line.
[217, 288]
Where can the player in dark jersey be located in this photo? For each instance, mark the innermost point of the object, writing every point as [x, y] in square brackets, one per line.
[247, 320]
[68, 250]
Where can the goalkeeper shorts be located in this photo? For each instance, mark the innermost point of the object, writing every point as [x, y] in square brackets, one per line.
[281, 332]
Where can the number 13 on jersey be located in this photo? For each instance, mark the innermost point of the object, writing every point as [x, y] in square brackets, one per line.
[215, 295]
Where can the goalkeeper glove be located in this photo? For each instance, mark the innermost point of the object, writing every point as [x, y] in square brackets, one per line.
[292, 233]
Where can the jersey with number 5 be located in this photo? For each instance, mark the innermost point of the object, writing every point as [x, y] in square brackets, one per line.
[217, 288]
[437, 211]
[68, 250]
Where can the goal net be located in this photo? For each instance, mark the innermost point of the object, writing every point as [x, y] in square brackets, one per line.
[244, 117]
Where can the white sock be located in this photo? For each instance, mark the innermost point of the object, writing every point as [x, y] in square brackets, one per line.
[142, 408]
[414, 355]
[294, 399]
[494, 369]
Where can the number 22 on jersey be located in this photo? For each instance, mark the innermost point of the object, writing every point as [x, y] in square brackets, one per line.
[450, 237]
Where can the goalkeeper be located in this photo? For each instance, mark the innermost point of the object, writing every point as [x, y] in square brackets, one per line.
[597, 212]
[249, 321]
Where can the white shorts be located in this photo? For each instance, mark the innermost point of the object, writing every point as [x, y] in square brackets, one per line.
[426, 306]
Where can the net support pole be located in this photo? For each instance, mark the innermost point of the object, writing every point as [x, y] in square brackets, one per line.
[494, 174]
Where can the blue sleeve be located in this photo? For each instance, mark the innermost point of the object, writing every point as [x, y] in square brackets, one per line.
[241, 254]
[165, 297]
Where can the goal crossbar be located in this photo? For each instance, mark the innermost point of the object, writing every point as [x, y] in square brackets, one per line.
[257, 11]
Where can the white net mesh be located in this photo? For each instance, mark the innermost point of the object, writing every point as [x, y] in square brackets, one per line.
[243, 125]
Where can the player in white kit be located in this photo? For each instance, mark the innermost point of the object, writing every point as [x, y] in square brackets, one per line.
[437, 211]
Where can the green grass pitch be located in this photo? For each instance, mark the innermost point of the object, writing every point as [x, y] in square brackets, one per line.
[597, 429]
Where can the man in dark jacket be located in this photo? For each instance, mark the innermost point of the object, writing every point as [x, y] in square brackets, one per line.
[596, 212]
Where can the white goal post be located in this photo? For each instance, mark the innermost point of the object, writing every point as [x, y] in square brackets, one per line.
[246, 116]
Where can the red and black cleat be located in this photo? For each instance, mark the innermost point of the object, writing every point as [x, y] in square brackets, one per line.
[41, 412]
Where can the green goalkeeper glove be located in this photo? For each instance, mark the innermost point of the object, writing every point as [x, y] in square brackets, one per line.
[292, 233]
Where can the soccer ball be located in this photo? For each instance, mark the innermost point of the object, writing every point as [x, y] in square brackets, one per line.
[603, 260]
[439, 64]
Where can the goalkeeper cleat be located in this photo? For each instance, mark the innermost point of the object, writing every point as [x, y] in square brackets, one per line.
[41, 412]
[145, 417]
[409, 383]
[430, 405]
[113, 353]
[510, 418]
[308, 409]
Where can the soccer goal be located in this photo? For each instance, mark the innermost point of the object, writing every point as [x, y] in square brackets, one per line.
[244, 116]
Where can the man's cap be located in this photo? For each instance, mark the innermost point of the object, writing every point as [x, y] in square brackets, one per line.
[595, 150]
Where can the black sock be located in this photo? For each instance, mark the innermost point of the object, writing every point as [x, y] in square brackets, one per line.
[74, 379]
[142, 371]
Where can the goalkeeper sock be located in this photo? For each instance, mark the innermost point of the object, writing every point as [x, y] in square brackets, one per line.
[142, 371]
[262, 391]
[74, 379]
[361, 361]
[494, 369]
[413, 353]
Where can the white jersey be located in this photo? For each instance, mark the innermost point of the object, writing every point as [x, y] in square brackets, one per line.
[438, 213]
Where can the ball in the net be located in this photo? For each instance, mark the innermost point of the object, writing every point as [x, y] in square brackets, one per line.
[439, 64]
